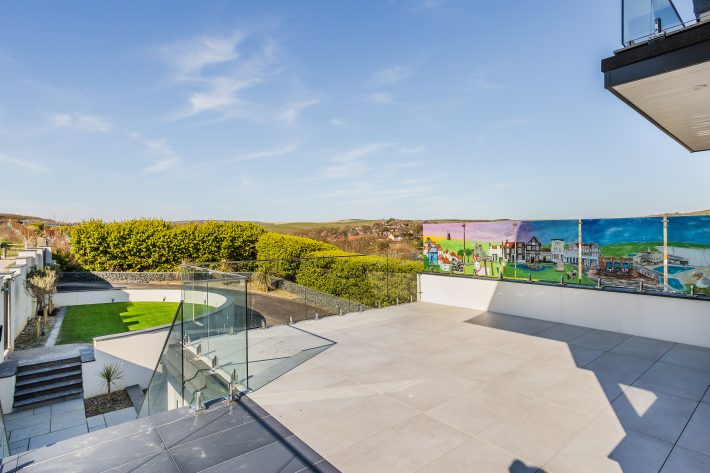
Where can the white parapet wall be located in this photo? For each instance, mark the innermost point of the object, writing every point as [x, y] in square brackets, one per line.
[136, 353]
[675, 319]
[65, 299]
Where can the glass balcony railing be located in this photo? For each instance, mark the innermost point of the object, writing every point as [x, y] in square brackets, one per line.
[643, 20]
[3, 436]
[234, 330]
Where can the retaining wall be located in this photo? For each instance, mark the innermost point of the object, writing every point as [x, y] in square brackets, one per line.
[676, 319]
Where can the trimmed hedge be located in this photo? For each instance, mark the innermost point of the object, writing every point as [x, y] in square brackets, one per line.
[279, 247]
[157, 245]
[369, 280]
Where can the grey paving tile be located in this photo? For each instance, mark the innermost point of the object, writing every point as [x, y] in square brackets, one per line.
[289, 455]
[606, 447]
[706, 398]
[622, 368]
[19, 446]
[95, 458]
[30, 431]
[600, 340]
[17, 414]
[660, 415]
[697, 358]
[477, 456]
[674, 379]
[160, 463]
[67, 406]
[67, 419]
[564, 332]
[647, 348]
[54, 437]
[39, 410]
[512, 323]
[696, 435]
[95, 421]
[119, 417]
[12, 423]
[98, 427]
[205, 451]
[204, 423]
[94, 438]
[683, 460]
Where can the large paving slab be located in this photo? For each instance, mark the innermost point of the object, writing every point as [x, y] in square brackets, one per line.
[429, 388]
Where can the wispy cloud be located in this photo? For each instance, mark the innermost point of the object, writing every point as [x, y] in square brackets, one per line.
[293, 109]
[337, 121]
[348, 163]
[266, 154]
[23, 163]
[497, 127]
[217, 71]
[190, 57]
[391, 75]
[480, 80]
[411, 149]
[80, 121]
[379, 97]
[164, 156]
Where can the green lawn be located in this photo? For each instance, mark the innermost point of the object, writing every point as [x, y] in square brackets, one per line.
[84, 322]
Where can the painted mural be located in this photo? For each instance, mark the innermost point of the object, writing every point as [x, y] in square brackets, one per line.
[614, 252]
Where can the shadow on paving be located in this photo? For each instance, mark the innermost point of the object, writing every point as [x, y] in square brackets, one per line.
[657, 390]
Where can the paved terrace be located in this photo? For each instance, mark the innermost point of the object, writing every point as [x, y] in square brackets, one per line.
[427, 388]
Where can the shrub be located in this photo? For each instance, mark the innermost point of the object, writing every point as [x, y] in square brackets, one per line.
[369, 280]
[276, 246]
[157, 245]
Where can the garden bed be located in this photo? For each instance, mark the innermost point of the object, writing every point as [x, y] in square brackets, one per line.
[27, 338]
[104, 403]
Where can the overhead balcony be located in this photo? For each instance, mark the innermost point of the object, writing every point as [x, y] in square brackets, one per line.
[663, 69]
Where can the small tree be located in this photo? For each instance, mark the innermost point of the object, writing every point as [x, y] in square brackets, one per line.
[109, 374]
[42, 284]
[265, 277]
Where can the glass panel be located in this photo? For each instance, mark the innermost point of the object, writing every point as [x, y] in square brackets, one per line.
[165, 387]
[642, 19]
[689, 254]
[3, 436]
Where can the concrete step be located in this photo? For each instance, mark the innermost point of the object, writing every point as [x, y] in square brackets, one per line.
[53, 377]
[64, 395]
[32, 372]
[46, 389]
[30, 366]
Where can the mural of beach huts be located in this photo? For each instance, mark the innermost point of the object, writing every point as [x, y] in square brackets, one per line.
[613, 252]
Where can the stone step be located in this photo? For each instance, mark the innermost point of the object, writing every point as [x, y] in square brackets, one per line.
[61, 376]
[32, 372]
[46, 389]
[64, 395]
[31, 366]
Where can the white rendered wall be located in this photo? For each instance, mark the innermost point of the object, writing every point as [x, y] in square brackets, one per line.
[136, 352]
[666, 318]
[64, 299]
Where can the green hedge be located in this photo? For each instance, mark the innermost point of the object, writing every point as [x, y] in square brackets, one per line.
[369, 280]
[279, 249]
[157, 245]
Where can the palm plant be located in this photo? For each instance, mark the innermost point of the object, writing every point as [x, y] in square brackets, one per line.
[109, 374]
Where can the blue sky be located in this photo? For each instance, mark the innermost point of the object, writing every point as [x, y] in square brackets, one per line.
[319, 110]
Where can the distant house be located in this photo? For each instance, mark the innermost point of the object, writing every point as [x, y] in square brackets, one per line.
[495, 252]
[514, 251]
[590, 254]
[532, 251]
[557, 249]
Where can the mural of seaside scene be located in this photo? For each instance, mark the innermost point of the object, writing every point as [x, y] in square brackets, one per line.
[619, 252]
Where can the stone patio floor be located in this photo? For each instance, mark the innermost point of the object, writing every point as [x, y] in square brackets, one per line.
[427, 388]
[47, 425]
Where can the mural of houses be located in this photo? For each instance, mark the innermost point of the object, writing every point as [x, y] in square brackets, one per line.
[557, 249]
[532, 251]
[590, 254]
[514, 251]
[495, 252]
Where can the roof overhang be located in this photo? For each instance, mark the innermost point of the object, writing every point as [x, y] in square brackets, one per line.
[667, 80]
